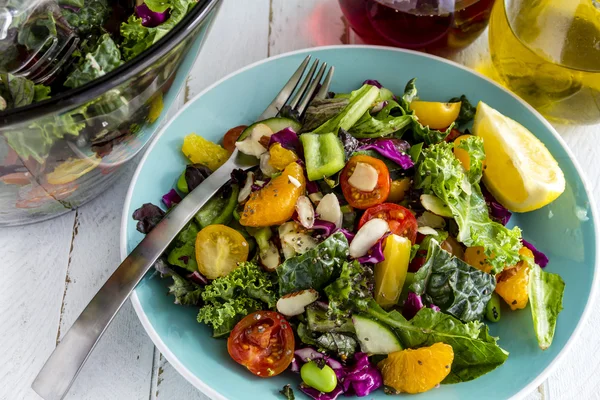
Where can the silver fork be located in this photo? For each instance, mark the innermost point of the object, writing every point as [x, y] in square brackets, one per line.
[43, 63]
[65, 362]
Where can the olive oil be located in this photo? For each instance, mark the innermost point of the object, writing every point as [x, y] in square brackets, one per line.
[548, 52]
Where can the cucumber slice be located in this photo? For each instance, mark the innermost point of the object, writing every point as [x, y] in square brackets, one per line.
[324, 154]
[374, 337]
[182, 185]
[276, 124]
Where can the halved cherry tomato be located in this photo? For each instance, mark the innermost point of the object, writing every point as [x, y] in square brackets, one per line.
[263, 342]
[219, 249]
[434, 114]
[400, 220]
[358, 198]
[232, 136]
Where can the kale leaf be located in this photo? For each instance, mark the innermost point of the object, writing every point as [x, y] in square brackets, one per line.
[467, 110]
[338, 343]
[105, 57]
[288, 392]
[453, 285]
[224, 316]
[352, 291]
[475, 351]
[440, 173]
[315, 268]
[90, 17]
[186, 292]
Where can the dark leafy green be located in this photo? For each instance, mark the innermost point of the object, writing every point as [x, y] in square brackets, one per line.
[186, 292]
[315, 268]
[39, 30]
[305, 335]
[288, 392]
[546, 292]
[410, 93]
[338, 343]
[105, 57]
[440, 173]
[90, 16]
[318, 321]
[467, 111]
[223, 317]
[352, 291]
[475, 351]
[360, 102]
[453, 285]
[321, 110]
[183, 252]
[390, 120]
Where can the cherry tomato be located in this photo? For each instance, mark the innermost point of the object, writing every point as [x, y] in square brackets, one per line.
[400, 220]
[263, 342]
[454, 133]
[232, 136]
[358, 198]
[435, 115]
[219, 249]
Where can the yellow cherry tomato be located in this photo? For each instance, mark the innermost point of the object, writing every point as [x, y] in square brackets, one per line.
[434, 114]
[398, 189]
[219, 249]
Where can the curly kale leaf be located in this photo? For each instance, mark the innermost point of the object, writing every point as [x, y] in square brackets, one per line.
[315, 268]
[186, 292]
[453, 285]
[90, 17]
[341, 344]
[224, 316]
[352, 291]
[288, 392]
[440, 173]
[230, 298]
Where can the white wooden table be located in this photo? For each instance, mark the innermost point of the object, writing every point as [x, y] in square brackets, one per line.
[49, 271]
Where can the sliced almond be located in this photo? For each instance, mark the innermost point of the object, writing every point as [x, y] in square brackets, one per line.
[364, 177]
[247, 189]
[294, 181]
[270, 258]
[265, 166]
[329, 210]
[367, 236]
[295, 303]
[306, 212]
[435, 205]
[426, 230]
[300, 242]
[316, 197]
[250, 147]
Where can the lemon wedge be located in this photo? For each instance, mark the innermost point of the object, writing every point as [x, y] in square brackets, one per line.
[520, 171]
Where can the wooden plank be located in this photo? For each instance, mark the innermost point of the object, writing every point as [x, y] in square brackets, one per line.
[239, 37]
[297, 25]
[120, 366]
[33, 260]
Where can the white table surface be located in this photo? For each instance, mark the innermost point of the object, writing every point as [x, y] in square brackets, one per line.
[49, 271]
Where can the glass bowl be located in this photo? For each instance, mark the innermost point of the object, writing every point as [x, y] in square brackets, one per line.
[58, 154]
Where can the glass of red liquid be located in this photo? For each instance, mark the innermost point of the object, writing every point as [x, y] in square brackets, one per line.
[435, 26]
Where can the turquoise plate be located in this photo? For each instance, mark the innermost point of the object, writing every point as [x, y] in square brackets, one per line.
[565, 230]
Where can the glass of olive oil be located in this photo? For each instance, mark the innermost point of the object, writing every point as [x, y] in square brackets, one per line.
[548, 52]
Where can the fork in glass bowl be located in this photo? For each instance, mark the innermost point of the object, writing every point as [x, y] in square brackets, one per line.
[61, 369]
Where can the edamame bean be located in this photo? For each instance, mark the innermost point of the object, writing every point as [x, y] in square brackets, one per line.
[492, 309]
[322, 379]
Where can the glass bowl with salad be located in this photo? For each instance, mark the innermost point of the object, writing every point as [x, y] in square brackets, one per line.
[370, 251]
[66, 136]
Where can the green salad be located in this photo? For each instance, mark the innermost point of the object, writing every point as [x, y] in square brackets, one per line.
[371, 248]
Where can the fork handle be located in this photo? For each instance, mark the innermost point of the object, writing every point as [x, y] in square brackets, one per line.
[61, 369]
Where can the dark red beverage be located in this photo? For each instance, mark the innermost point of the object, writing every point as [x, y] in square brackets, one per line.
[429, 25]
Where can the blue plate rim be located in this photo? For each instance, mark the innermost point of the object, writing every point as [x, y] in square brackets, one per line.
[212, 393]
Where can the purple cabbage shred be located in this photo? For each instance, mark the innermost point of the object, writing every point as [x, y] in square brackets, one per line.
[373, 82]
[317, 395]
[171, 198]
[375, 253]
[412, 305]
[150, 19]
[198, 278]
[325, 228]
[497, 210]
[288, 140]
[392, 149]
[540, 258]
[312, 187]
[362, 378]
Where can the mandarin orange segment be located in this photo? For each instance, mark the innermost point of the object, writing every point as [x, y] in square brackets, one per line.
[275, 203]
[281, 157]
[475, 257]
[417, 371]
[511, 285]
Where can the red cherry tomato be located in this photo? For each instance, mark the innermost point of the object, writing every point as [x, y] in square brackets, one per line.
[232, 136]
[400, 220]
[358, 198]
[263, 342]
